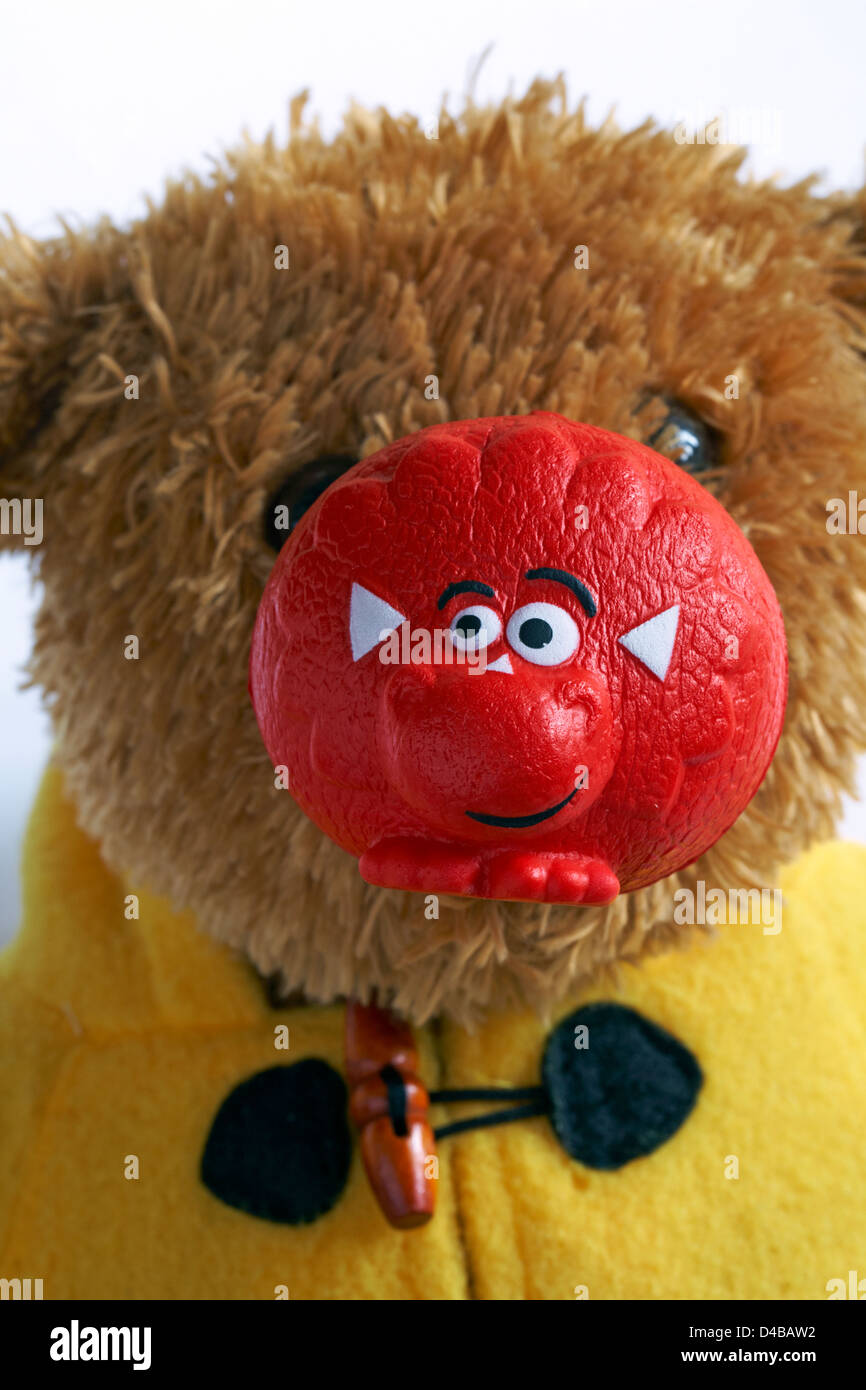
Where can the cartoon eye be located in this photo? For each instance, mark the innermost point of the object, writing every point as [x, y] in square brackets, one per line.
[543, 634]
[684, 439]
[475, 628]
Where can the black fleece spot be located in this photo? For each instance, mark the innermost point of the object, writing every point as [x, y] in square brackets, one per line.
[624, 1094]
[279, 1147]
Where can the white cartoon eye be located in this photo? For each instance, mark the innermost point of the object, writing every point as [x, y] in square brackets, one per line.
[652, 642]
[475, 627]
[543, 634]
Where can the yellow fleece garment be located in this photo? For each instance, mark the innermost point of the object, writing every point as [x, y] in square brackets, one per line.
[121, 1037]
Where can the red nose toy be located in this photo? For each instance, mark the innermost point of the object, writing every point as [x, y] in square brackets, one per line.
[519, 658]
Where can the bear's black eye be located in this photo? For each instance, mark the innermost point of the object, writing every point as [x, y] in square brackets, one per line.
[286, 506]
[684, 439]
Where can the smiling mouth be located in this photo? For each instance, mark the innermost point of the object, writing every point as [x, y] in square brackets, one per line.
[520, 822]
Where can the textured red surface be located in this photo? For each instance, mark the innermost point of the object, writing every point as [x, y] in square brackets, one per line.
[389, 759]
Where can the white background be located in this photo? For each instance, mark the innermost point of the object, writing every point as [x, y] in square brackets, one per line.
[99, 101]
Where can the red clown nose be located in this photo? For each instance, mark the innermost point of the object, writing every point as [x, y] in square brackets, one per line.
[519, 658]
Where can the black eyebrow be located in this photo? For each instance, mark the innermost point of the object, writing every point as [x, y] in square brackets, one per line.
[465, 586]
[575, 585]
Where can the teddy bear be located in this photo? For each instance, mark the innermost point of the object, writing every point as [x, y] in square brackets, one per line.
[180, 1119]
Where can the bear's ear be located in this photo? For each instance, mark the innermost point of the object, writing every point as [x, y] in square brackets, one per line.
[849, 210]
[47, 300]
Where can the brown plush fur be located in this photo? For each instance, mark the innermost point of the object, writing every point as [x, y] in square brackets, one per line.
[410, 256]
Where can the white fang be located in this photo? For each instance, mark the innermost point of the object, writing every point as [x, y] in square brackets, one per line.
[502, 663]
[371, 620]
[653, 641]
